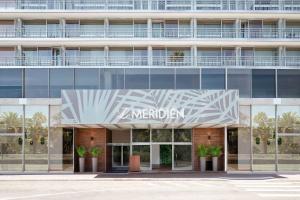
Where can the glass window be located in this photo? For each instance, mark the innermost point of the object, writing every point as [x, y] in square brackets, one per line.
[288, 153]
[144, 152]
[36, 83]
[87, 78]
[11, 153]
[112, 78]
[263, 122]
[288, 119]
[183, 157]
[187, 79]
[137, 78]
[36, 138]
[60, 143]
[240, 79]
[140, 135]
[288, 82]
[11, 119]
[182, 135]
[212, 79]
[60, 79]
[162, 78]
[10, 83]
[161, 135]
[263, 83]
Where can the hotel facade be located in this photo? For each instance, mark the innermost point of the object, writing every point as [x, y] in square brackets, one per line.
[154, 78]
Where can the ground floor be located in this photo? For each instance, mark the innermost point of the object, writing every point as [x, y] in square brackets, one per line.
[177, 186]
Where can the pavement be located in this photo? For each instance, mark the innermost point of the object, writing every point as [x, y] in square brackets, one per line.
[150, 186]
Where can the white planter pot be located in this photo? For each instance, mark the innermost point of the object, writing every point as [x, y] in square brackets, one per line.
[95, 164]
[215, 164]
[202, 164]
[81, 164]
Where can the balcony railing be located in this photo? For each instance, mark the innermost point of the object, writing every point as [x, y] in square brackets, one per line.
[169, 5]
[156, 61]
[99, 32]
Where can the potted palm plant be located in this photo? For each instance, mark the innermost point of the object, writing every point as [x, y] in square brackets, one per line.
[202, 152]
[215, 152]
[81, 151]
[95, 152]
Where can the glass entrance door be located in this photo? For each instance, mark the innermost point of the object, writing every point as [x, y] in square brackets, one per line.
[120, 157]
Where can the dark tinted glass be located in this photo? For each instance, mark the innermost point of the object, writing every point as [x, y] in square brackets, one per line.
[187, 78]
[137, 78]
[263, 83]
[213, 79]
[162, 78]
[240, 79]
[36, 83]
[112, 78]
[60, 79]
[87, 78]
[10, 83]
[288, 82]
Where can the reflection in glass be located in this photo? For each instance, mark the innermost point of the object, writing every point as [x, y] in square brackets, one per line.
[10, 83]
[162, 78]
[288, 80]
[137, 78]
[288, 119]
[263, 83]
[11, 153]
[36, 138]
[140, 135]
[60, 79]
[240, 79]
[288, 153]
[187, 79]
[11, 119]
[263, 122]
[213, 79]
[144, 152]
[36, 83]
[162, 135]
[87, 78]
[111, 78]
[183, 157]
[182, 135]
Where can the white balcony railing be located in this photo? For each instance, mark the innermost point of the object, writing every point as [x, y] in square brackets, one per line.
[101, 32]
[160, 61]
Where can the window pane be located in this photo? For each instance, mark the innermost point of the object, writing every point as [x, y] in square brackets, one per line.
[162, 78]
[11, 119]
[240, 79]
[162, 135]
[60, 143]
[60, 79]
[36, 83]
[112, 78]
[263, 83]
[137, 78]
[289, 153]
[182, 135]
[36, 138]
[288, 83]
[263, 121]
[187, 79]
[183, 157]
[10, 83]
[144, 152]
[11, 153]
[87, 78]
[140, 135]
[288, 119]
[213, 79]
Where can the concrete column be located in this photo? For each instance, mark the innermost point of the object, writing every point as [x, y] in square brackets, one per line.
[149, 28]
[194, 27]
[106, 27]
[237, 28]
[62, 25]
[18, 26]
[281, 28]
[63, 55]
[281, 54]
[150, 56]
[18, 54]
[194, 55]
[106, 55]
[238, 54]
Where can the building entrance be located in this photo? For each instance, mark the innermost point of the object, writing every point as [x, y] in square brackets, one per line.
[120, 157]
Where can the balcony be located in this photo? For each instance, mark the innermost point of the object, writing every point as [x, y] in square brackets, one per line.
[157, 61]
[170, 5]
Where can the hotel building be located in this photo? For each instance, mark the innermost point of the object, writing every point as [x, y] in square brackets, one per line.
[154, 78]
